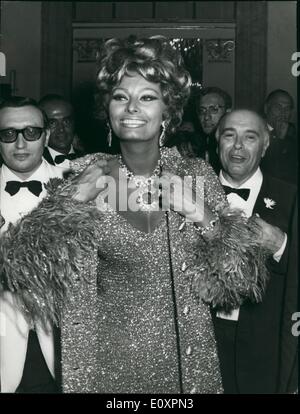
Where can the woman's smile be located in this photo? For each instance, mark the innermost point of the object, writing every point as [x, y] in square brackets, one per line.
[132, 122]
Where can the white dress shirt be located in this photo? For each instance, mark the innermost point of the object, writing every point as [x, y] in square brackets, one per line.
[254, 184]
[14, 207]
[65, 165]
[14, 328]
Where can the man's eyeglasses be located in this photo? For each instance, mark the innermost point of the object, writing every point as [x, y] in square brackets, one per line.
[212, 109]
[30, 133]
[67, 122]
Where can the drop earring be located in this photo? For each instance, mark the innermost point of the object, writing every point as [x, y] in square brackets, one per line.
[109, 136]
[162, 135]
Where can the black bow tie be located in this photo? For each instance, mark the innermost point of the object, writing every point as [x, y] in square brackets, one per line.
[242, 192]
[61, 158]
[35, 187]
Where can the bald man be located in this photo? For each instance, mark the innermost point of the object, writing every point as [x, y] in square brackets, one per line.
[250, 342]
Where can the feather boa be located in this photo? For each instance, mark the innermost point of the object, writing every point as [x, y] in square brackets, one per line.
[231, 266]
[41, 254]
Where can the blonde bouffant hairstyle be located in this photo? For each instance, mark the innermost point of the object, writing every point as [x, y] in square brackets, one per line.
[154, 59]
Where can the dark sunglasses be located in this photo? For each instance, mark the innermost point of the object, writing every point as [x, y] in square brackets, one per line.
[29, 133]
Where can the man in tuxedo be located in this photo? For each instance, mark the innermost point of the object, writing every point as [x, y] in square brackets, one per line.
[27, 362]
[63, 144]
[281, 159]
[251, 341]
[211, 104]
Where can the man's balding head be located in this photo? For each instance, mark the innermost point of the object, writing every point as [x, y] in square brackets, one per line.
[243, 138]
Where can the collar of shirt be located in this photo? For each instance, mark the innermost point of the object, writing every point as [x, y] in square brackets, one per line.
[54, 153]
[14, 207]
[40, 174]
[254, 183]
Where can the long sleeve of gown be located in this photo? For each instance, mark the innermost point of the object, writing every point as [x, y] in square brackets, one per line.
[230, 266]
[41, 253]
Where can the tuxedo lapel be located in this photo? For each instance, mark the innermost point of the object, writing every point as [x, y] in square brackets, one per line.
[278, 214]
[47, 156]
[260, 208]
[78, 153]
[258, 329]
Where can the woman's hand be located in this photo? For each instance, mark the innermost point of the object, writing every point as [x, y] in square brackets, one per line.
[178, 195]
[90, 183]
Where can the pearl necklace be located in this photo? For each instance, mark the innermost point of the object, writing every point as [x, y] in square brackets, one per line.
[148, 197]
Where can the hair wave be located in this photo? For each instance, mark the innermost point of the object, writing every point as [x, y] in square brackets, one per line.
[154, 59]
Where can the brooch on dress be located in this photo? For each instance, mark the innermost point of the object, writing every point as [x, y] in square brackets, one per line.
[269, 203]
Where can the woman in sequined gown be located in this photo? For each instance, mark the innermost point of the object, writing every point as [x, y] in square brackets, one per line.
[136, 316]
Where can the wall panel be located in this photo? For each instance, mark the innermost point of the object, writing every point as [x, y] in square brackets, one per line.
[134, 10]
[215, 10]
[251, 53]
[174, 10]
[56, 52]
[90, 10]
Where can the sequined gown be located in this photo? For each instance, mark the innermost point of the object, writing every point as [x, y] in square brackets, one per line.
[137, 328]
[129, 303]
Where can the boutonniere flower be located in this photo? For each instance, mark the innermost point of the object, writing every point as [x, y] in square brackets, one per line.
[269, 203]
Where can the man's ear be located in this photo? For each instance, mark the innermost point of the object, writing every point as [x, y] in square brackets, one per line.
[47, 136]
[217, 134]
[266, 144]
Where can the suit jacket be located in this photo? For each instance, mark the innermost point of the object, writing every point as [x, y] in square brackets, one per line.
[281, 158]
[288, 375]
[262, 334]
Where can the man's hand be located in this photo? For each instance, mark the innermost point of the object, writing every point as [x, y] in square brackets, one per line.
[269, 237]
[91, 181]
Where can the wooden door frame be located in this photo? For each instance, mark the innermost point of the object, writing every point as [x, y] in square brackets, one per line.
[251, 50]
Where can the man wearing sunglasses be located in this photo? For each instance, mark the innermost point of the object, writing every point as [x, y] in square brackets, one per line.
[211, 105]
[26, 353]
[63, 144]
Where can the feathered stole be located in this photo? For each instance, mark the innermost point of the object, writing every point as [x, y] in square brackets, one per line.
[41, 254]
[230, 266]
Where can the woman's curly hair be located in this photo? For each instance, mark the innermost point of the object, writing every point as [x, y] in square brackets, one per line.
[154, 59]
